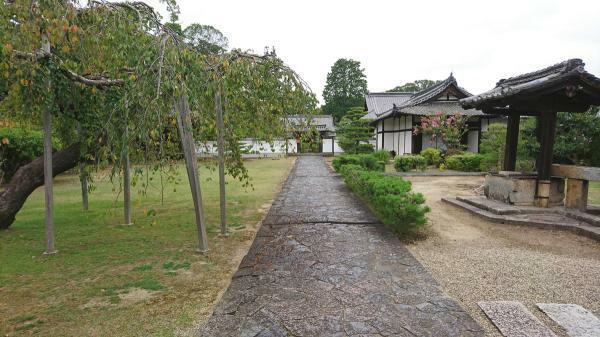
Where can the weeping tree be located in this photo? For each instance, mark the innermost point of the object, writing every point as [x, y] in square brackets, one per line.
[107, 68]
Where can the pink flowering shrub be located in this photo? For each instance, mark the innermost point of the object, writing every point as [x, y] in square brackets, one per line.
[447, 128]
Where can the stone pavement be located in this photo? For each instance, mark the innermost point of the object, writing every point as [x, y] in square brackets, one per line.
[321, 265]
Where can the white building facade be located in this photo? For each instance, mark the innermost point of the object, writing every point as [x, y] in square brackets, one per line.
[396, 115]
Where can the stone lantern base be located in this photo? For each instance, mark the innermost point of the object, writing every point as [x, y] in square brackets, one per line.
[518, 188]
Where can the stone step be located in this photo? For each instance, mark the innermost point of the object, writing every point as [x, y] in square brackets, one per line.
[592, 219]
[514, 320]
[548, 220]
[576, 320]
[490, 205]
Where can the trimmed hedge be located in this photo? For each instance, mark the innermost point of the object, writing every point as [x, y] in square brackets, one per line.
[409, 162]
[369, 162]
[391, 198]
[382, 155]
[19, 147]
[433, 156]
[467, 162]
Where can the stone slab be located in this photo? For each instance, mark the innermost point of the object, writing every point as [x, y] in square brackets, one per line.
[576, 320]
[514, 320]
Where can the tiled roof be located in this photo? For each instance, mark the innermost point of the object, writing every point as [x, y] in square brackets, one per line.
[420, 103]
[433, 91]
[533, 81]
[320, 122]
[380, 102]
[444, 107]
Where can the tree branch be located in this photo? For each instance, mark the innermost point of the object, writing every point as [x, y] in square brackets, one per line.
[94, 81]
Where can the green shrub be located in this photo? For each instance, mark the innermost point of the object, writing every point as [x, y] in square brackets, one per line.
[433, 156]
[18, 147]
[409, 162]
[364, 148]
[468, 162]
[368, 161]
[391, 198]
[382, 155]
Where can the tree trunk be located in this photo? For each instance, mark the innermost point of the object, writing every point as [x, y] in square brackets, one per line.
[29, 177]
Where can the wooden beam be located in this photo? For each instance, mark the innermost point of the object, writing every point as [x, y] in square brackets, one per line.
[221, 155]
[512, 140]
[184, 124]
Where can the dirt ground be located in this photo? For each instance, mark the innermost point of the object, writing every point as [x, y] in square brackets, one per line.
[476, 260]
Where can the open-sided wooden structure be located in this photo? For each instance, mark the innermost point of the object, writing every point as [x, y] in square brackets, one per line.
[563, 87]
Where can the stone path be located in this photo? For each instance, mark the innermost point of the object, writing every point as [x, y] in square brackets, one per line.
[321, 265]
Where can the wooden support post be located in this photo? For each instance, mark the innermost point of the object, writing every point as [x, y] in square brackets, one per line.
[547, 133]
[184, 124]
[84, 186]
[512, 140]
[48, 181]
[221, 154]
[83, 177]
[126, 174]
[126, 188]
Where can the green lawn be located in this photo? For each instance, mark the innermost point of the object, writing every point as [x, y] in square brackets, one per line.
[110, 279]
[594, 193]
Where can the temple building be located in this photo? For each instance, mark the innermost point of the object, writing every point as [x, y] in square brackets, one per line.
[395, 115]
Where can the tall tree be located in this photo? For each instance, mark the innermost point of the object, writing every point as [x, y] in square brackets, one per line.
[205, 38]
[345, 88]
[108, 58]
[415, 86]
[354, 133]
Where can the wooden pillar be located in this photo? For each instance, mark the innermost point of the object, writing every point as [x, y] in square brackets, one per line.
[547, 124]
[184, 124]
[221, 154]
[333, 146]
[48, 181]
[512, 140]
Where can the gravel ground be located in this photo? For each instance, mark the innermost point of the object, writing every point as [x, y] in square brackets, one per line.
[477, 260]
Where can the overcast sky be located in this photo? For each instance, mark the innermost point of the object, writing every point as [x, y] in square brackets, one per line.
[401, 41]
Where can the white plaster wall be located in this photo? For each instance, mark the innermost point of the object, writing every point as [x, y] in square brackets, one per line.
[473, 141]
[262, 147]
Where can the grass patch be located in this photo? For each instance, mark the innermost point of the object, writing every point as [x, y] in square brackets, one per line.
[143, 267]
[594, 193]
[99, 258]
[174, 266]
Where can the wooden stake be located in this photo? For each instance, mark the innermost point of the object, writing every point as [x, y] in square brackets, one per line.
[126, 175]
[221, 155]
[48, 181]
[83, 178]
[184, 124]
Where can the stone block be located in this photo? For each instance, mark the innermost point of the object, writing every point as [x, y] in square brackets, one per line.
[514, 320]
[577, 194]
[576, 320]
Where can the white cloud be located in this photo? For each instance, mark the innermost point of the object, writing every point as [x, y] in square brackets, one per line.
[401, 41]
